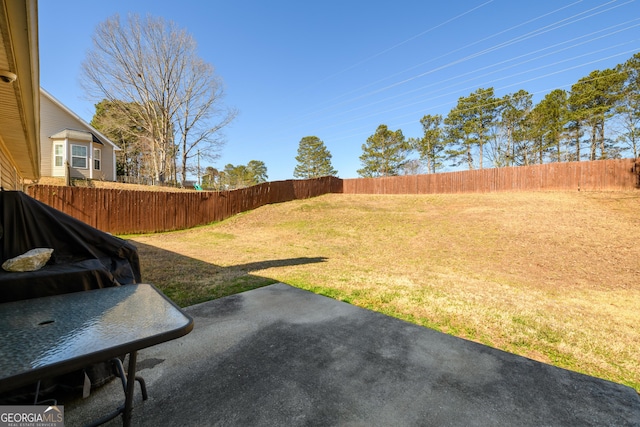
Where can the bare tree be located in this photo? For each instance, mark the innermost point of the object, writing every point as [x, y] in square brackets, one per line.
[201, 115]
[154, 64]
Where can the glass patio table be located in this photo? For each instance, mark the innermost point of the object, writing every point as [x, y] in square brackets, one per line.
[51, 336]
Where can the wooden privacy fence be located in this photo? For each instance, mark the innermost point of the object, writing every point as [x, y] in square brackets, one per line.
[126, 211]
[615, 174]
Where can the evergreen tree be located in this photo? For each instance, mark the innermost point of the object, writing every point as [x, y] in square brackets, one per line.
[241, 176]
[384, 153]
[469, 125]
[629, 108]
[431, 145]
[592, 101]
[575, 128]
[124, 132]
[257, 171]
[553, 112]
[458, 137]
[533, 147]
[514, 111]
[314, 159]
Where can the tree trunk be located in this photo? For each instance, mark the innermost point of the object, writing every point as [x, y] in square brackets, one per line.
[594, 142]
[603, 154]
[509, 153]
[577, 143]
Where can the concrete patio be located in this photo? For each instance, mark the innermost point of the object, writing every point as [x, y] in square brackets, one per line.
[281, 356]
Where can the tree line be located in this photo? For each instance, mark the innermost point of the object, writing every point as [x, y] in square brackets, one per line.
[483, 129]
[162, 105]
[511, 130]
[234, 176]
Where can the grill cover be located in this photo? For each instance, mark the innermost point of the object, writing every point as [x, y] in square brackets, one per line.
[83, 257]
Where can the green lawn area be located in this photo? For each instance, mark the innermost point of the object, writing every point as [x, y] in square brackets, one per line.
[553, 276]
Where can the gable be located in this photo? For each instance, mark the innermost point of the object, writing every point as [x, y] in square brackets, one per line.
[56, 118]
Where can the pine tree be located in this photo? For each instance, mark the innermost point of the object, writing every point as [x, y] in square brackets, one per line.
[241, 176]
[314, 159]
[592, 101]
[384, 154]
[469, 125]
[431, 145]
[513, 114]
[629, 108]
[554, 113]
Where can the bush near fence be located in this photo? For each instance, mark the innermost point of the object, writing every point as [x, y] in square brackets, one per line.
[127, 212]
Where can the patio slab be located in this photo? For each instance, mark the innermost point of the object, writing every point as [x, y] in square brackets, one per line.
[279, 356]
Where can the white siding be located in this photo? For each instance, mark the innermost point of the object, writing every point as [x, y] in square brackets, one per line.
[54, 119]
[9, 179]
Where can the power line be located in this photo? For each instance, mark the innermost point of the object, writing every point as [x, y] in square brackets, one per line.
[457, 77]
[564, 22]
[518, 39]
[443, 56]
[357, 64]
[503, 87]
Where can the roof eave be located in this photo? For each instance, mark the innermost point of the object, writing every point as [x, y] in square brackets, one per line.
[20, 25]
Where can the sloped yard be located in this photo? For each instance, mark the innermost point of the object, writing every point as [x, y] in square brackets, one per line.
[549, 275]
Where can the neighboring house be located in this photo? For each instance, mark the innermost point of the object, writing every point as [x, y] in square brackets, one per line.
[38, 134]
[69, 143]
[19, 93]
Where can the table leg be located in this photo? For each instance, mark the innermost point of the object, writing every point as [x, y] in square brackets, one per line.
[131, 382]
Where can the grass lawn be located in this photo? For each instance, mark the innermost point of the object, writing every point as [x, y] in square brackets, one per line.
[553, 276]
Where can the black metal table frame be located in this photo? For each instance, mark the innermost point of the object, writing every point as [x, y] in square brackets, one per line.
[128, 384]
[32, 376]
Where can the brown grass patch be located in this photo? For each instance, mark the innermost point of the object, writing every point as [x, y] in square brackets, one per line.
[549, 275]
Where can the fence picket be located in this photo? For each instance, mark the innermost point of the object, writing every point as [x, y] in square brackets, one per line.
[122, 212]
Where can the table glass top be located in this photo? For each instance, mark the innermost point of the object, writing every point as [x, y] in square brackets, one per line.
[46, 331]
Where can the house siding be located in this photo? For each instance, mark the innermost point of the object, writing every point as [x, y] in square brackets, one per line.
[107, 165]
[9, 179]
[54, 119]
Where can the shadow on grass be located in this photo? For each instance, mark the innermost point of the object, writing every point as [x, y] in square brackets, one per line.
[189, 281]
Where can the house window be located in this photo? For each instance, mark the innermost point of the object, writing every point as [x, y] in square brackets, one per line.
[96, 158]
[57, 154]
[79, 156]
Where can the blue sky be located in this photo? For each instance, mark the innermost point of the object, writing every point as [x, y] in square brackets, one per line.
[337, 69]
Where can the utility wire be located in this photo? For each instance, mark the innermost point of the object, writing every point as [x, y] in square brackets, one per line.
[583, 80]
[518, 39]
[440, 57]
[600, 9]
[457, 77]
[357, 64]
